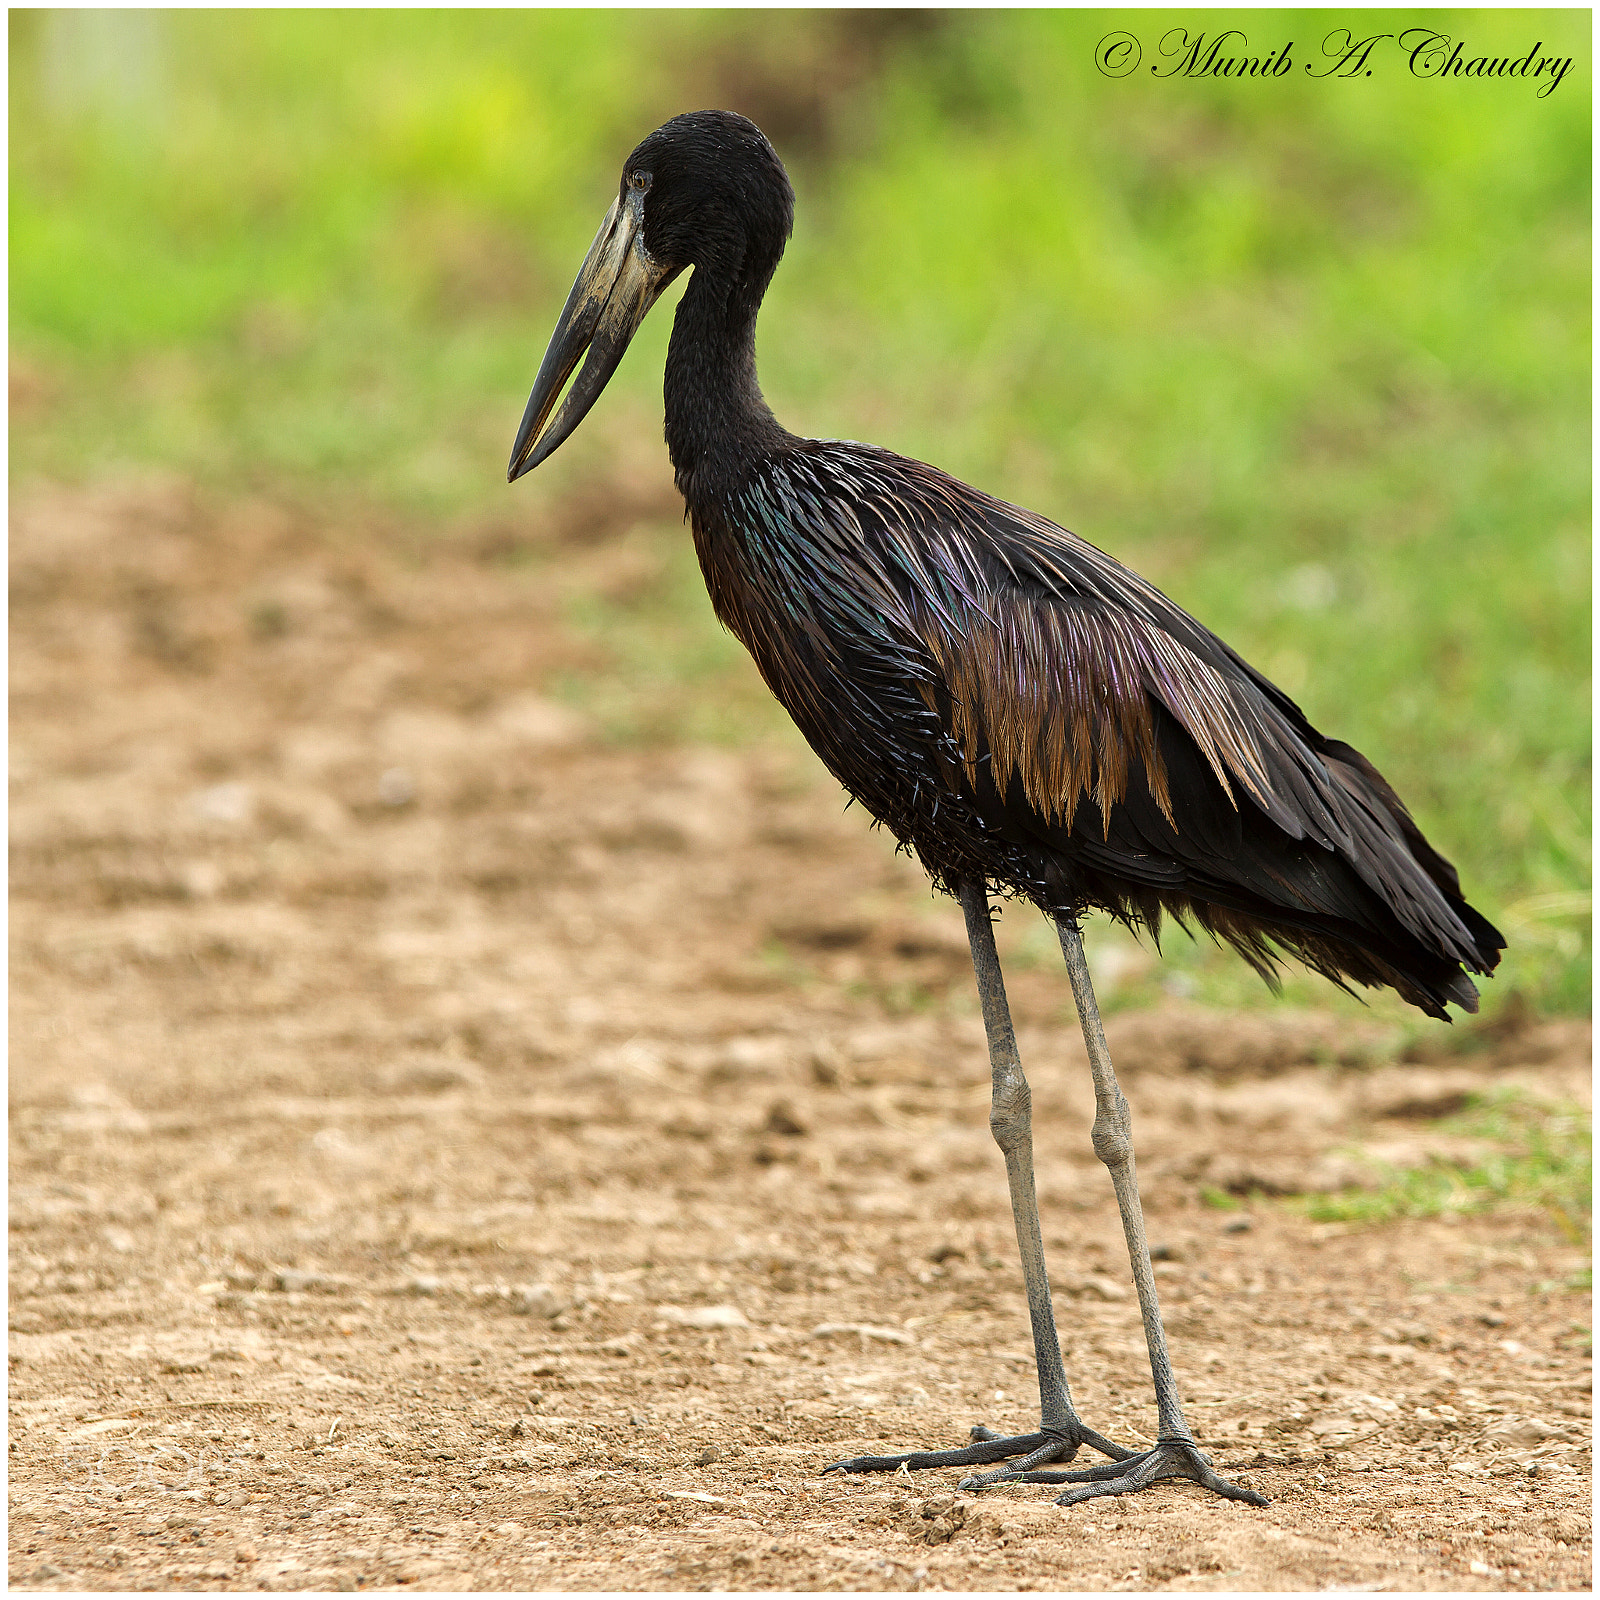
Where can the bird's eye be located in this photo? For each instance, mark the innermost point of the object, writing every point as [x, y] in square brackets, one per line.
[639, 180]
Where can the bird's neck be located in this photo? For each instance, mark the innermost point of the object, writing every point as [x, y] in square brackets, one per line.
[718, 424]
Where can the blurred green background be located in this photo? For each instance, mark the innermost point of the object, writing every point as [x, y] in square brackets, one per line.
[1313, 355]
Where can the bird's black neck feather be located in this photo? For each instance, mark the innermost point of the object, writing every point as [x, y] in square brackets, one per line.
[718, 424]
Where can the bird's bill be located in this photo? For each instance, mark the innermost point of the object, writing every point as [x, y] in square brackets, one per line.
[615, 288]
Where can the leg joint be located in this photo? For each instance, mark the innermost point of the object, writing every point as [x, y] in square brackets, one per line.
[1112, 1134]
[1010, 1115]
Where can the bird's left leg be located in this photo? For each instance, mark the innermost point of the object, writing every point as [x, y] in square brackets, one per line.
[1061, 1431]
[1175, 1454]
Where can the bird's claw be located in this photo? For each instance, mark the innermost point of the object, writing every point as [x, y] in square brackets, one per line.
[1172, 1458]
[987, 1447]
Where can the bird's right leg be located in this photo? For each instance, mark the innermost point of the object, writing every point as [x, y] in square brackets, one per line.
[1061, 1430]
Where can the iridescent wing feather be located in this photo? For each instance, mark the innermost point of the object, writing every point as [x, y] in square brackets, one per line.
[1115, 751]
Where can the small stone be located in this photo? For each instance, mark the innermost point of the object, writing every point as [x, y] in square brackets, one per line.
[709, 1454]
[288, 1280]
[1169, 1250]
[1334, 1425]
[396, 787]
[423, 1284]
[1239, 1225]
[1480, 1569]
[224, 802]
[1520, 1433]
[862, 1330]
[937, 1521]
[1491, 1319]
[705, 1316]
[783, 1120]
[1104, 1288]
[245, 1552]
[43, 1574]
[538, 1300]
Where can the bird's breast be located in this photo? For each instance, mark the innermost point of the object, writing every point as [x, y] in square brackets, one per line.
[834, 654]
[767, 606]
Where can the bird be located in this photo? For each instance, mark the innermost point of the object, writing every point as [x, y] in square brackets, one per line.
[1018, 709]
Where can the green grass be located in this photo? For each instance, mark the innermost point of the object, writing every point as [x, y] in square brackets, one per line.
[1541, 1158]
[1312, 355]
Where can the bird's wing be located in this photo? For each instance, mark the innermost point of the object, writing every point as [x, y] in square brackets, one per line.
[1073, 679]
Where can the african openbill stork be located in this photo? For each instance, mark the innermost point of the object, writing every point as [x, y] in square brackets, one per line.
[1015, 706]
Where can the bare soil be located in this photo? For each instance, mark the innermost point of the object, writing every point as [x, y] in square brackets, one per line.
[451, 1152]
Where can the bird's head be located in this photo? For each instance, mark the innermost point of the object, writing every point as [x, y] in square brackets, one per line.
[705, 190]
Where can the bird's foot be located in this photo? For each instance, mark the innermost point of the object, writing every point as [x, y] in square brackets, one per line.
[1171, 1458]
[1059, 1443]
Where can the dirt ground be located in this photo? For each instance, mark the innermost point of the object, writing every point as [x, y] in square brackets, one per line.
[449, 1151]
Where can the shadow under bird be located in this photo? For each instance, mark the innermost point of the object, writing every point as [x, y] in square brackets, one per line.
[1016, 707]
